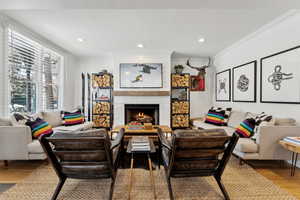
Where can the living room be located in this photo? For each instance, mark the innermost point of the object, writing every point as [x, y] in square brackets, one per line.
[202, 88]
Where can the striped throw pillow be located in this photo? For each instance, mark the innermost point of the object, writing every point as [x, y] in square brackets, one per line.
[215, 117]
[72, 118]
[226, 115]
[262, 117]
[39, 127]
[246, 128]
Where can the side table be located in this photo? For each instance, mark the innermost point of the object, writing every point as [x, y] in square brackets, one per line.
[295, 149]
[152, 150]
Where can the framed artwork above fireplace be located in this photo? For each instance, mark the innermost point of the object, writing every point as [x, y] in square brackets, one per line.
[141, 75]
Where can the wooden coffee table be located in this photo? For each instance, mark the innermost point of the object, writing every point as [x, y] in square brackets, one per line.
[295, 149]
[150, 132]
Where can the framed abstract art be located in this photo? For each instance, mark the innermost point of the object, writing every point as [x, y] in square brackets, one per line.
[280, 77]
[244, 82]
[223, 85]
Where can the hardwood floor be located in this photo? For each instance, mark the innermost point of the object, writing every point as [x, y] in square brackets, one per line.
[17, 170]
[279, 175]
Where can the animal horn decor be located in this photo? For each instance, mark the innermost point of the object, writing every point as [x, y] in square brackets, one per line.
[201, 70]
[198, 82]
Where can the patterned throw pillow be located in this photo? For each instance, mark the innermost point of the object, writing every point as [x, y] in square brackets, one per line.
[215, 117]
[262, 117]
[226, 115]
[39, 127]
[72, 118]
[246, 128]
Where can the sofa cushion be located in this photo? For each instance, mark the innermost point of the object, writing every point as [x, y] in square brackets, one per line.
[246, 145]
[229, 130]
[215, 117]
[72, 118]
[78, 127]
[246, 128]
[5, 122]
[202, 125]
[18, 119]
[35, 147]
[262, 117]
[226, 115]
[285, 122]
[53, 118]
[236, 118]
[39, 127]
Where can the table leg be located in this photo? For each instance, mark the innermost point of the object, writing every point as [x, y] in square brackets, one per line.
[294, 163]
[131, 171]
[151, 175]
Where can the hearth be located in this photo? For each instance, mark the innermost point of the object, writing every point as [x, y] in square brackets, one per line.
[144, 113]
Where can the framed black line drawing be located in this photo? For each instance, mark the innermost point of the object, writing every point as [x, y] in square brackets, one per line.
[280, 77]
[223, 85]
[244, 82]
[141, 75]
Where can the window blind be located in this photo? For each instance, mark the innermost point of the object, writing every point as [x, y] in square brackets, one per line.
[34, 75]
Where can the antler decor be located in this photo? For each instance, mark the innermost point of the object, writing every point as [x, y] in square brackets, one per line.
[201, 70]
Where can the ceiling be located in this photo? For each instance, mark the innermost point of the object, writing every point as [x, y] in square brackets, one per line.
[120, 30]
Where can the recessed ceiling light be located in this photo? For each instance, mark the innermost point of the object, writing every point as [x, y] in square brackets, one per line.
[140, 46]
[201, 40]
[80, 39]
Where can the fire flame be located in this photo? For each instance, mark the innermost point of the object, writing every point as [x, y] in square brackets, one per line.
[141, 115]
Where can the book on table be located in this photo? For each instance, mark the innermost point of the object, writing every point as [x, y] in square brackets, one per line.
[140, 143]
[295, 140]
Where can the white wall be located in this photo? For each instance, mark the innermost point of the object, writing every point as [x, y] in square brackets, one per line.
[200, 101]
[88, 65]
[283, 33]
[143, 57]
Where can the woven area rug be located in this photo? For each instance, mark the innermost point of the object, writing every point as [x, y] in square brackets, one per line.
[241, 182]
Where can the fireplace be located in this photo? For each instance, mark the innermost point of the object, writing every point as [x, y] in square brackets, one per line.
[144, 113]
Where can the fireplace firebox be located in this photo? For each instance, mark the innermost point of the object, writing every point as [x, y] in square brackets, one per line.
[144, 113]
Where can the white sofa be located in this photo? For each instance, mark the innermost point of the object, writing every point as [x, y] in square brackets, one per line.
[16, 141]
[266, 146]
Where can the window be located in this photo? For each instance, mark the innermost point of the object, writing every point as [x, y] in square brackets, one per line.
[34, 75]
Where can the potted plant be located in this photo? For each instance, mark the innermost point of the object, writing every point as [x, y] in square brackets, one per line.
[178, 69]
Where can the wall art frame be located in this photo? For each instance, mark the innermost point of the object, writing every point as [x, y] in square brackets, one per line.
[223, 86]
[244, 82]
[280, 77]
[141, 75]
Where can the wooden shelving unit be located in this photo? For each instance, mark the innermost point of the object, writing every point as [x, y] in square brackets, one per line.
[102, 100]
[180, 100]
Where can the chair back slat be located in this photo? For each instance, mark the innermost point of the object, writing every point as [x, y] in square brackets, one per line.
[81, 156]
[198, 153]
[78, 144]
[195, 164]
[201, 142]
